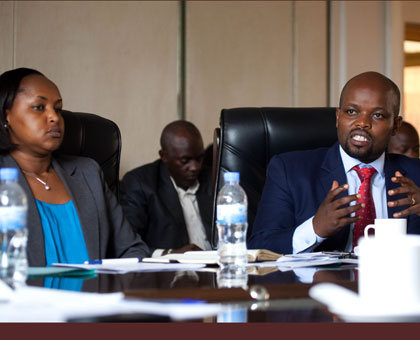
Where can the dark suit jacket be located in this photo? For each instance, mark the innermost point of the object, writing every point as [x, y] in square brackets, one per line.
[106, 232]
[151, 204]
[296, 185]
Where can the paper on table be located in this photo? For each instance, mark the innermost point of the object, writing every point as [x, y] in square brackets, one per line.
[6, 293]
[263, 264]
[211, 257]
[132, 267]
[34, 304]
[203, 257]
[289, 262]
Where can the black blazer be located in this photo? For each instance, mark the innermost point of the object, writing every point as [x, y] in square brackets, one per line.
[150, 203]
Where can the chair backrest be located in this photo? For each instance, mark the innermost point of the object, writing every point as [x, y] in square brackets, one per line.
[93, 136]
[249, 137]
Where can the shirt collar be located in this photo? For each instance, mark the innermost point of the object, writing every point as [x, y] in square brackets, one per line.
[350, 162]
[191, 190]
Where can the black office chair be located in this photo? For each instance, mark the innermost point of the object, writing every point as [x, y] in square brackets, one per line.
[249, 137]
[93, 136]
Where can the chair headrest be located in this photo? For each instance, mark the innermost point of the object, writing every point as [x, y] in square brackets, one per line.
[96, 137]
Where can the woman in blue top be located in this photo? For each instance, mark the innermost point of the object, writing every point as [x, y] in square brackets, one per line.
[72, 214]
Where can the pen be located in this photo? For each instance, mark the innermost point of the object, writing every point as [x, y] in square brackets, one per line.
[115, 261]
[192, 301]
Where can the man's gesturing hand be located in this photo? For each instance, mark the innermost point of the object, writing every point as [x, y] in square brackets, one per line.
[409, 188]
[333, 213]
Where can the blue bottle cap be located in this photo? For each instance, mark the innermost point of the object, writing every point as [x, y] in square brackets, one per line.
[231, 176]
[8, 174]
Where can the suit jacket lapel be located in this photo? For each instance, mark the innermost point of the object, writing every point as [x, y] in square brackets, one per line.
[390, 168]
[205, 206]
[78, 188]
[333, 169]
[169, 197]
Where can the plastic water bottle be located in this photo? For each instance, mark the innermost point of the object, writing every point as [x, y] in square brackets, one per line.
[13, 231]
[232, 225]
[232, 313]
[236, 277]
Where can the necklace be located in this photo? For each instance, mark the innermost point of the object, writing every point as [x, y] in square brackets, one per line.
[30, 174]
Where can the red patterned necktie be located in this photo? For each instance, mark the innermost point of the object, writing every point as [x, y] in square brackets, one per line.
[368, 212]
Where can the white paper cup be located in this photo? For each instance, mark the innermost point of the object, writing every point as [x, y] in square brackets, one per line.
[389, 271]
[387, 227]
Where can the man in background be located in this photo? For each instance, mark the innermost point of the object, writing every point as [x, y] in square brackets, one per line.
[405, 141]
[168, 202]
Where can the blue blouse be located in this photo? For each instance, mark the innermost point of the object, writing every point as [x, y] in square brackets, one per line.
[63, 236]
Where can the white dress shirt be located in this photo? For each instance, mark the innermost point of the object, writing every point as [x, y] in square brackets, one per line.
[305, 239]
[195, 227]
[192, 218]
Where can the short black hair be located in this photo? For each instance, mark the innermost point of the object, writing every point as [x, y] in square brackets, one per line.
[9, 87]
[378, 76]
[175, 128]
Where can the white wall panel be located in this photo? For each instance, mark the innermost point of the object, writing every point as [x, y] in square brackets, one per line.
[411, 11]
[238, 54]
[116, 59]
[310, 58]
[365, 52]
[365, 36]
[6, 35]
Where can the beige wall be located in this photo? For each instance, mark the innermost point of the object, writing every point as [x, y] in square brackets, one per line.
[311, 51]
[116, 59]
[238, 54]
[411, 11]
[253, 54]
[411, 14]
[120, 59]
[365, 36]
[6, 35]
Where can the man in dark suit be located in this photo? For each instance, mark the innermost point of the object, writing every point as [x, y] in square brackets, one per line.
[168, 202]
[310, 198]
[405, 141]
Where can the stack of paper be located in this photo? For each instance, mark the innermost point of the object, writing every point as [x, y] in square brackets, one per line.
[289, 262]
[210, 257]
[122, 267]
[34, 304]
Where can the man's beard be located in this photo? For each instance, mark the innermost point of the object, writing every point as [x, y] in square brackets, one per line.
[365, 156]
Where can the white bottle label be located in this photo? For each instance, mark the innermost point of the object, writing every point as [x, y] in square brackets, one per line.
[232, 213]
[12, 218]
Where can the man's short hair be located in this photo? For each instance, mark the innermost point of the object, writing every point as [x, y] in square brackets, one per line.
[175, 128]
[378, 76]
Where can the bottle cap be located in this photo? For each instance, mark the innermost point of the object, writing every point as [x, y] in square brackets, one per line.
[8, 174]
[231, 176]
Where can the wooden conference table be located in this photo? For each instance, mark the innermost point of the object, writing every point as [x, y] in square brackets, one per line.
[268, 297]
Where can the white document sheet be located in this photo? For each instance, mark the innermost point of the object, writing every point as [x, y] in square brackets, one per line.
[292, 261]
[122, 268]
[34, 304]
